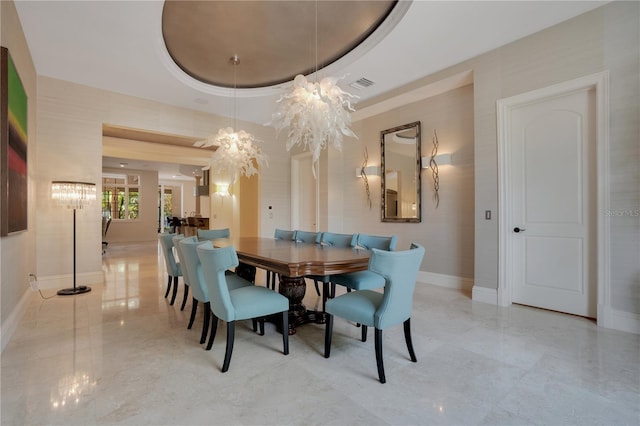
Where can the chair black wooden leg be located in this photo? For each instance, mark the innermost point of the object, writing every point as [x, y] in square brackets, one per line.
[194, 308]
[364, 333]
[166, 294]
[332, 294]
[184, 299]
[315, 282]
[261, 324]
[378, 344]
[325, 295]
[254, 324]
[175, 290]
[214, 328]
[231, 331]
[205, 325]
[327, 336]
[285, 332]
[407, 338]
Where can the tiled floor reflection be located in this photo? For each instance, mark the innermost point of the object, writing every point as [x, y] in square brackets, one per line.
[121, 355]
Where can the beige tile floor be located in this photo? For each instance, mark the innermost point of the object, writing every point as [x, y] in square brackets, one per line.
[121, 355]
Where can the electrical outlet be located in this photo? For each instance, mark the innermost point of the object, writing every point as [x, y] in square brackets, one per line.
[33, 282]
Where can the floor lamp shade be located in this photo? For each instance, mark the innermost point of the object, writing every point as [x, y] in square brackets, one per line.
[73, 195]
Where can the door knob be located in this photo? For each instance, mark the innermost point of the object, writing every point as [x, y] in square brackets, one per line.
[516, 229]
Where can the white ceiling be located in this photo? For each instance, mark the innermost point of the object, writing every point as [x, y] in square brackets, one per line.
[118, 46]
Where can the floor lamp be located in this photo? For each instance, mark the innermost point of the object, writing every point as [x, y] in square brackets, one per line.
[73, 195]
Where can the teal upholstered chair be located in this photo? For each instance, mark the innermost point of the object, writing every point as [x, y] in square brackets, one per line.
[279, 234]
[200, 290]
[282, 234]
[333, 240]
[307, 237]
[338, 240]
[185, 277]
[174, 271]
[234, 304]
[364, 280]
[212, 234]
[370, 308]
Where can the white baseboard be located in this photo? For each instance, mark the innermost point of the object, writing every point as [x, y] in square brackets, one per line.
[10, 325]
[484, 295]
[442, 280]
[618, 320]
[52, 282]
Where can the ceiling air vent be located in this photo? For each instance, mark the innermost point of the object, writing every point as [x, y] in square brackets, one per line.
[362, 83]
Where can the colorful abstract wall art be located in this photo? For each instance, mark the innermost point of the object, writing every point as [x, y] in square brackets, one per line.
[13, 148]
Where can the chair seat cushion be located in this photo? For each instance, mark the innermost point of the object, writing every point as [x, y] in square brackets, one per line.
[256, 301]
[357, 306]
[361, 280]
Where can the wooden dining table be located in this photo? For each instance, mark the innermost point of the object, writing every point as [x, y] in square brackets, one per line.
[294, 261]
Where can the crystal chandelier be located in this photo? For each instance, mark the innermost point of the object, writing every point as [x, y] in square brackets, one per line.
[316, 114]
[238, 151]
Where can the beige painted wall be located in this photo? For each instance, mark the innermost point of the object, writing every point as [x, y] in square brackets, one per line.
[447, 232]
[145, 228]
[17, 251]
[607, 38]
[70, 136]
[249, 206]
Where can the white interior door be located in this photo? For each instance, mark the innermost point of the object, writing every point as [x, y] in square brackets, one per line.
[552, 203]
[304, 194]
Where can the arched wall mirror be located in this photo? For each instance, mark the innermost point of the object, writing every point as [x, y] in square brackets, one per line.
[401, 186]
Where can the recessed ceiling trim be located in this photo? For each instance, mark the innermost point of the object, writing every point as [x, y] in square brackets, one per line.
[417, 94]
[123, 132]
[148, 151]
[394, 17]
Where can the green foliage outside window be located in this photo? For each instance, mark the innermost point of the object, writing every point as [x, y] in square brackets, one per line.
[120, 196]
[168, 203]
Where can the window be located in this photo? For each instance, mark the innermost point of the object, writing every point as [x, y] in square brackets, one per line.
[120, 196]
[168, 202]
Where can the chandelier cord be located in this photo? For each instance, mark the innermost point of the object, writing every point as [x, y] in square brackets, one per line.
[316, 41]
[235, 61]
[237, 151]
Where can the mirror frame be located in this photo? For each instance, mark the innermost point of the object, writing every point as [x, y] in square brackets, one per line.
[383, 174]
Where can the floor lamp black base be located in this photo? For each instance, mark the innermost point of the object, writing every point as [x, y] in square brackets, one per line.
[74, 290]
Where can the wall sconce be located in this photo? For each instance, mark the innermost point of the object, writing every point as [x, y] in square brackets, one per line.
[369, 170]
[440, 159]
[222, 189]
[432, 162]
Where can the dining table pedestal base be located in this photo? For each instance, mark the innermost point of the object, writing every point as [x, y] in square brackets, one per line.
[294, 289]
